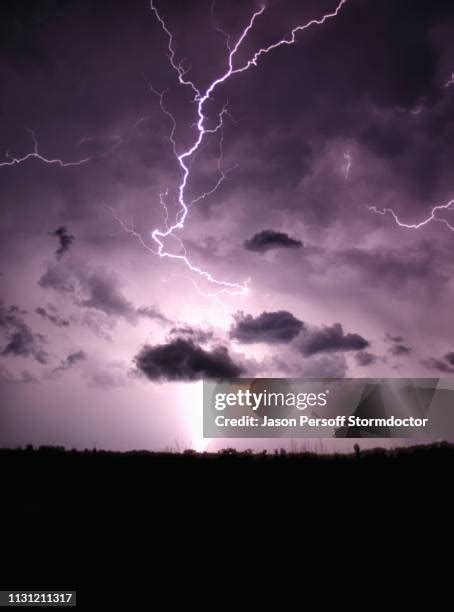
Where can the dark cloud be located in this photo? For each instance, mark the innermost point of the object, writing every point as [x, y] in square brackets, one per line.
[450, 358]
[65, 241]
[102, 293]
[400, 350]
[97, 288]
[59, 278]
[153, 313]
[71, 360]
[444, 365]
[199, 336]
[331, 340]
[268, 327]
[52, 316]
[363, 358]
[184, 360]
[20, 340]
[269, 239]
[397, 348]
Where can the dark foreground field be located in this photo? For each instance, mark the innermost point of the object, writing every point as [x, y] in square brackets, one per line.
[91, 520]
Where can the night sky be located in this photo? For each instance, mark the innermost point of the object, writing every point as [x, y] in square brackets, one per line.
[333, 153]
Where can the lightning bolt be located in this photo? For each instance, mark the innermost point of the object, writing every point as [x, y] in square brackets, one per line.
[183, 159]
[348, 164]
[432, 217]
[450, 81]
[35, 154]
[434, 212]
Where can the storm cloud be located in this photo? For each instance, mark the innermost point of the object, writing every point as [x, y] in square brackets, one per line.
[268, 327]
[93, 288]
[199, 336]
[395, 268]
[397, 348]
[355, 114]
[21, 341]
[183, 360]
[331, 339]
[267, 240]
[364, 359]
[444, 364]
[65, 241]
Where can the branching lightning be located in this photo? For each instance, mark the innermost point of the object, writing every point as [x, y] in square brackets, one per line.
[184, 157]
[415, 226]
[433, 217]
[35, 154]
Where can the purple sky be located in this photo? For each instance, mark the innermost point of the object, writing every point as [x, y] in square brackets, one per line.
[103, 342]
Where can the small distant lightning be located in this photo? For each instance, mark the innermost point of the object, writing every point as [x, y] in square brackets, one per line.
[417, 110]
[415, 226]
[225, 34]
[450, 81]
[184, 158]
[347, 165]
[35, 154]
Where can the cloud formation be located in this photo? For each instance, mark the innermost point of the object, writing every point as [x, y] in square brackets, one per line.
[197, 335]
[444, 364]
[71, 360]
[396, 268]
[65, 241]
[397, 348]
[52, 316]
[93, 288]
[268, 327]
[20, 340]
[331, 340]
[153, 313]
[364, 359]
[269, 239]
[183, 360]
